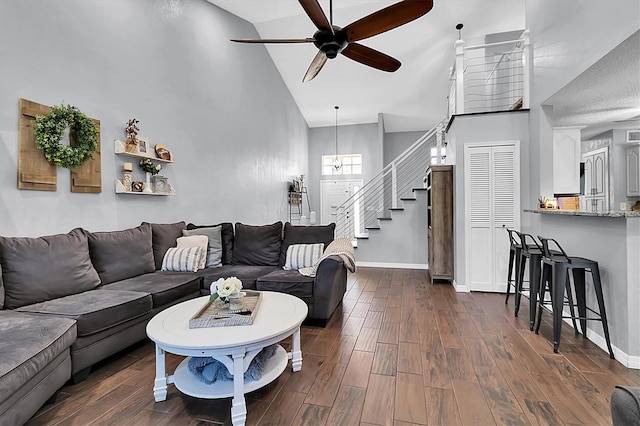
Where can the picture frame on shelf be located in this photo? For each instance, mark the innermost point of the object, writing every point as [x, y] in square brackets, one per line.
[143, 146]
[160, 184]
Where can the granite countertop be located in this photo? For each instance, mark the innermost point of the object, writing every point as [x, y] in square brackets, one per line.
[612, 213]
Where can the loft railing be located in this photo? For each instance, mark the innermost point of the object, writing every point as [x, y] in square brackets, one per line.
[386, 189]
[490, 77]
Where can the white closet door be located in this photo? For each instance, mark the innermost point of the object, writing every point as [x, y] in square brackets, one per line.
[492, 199]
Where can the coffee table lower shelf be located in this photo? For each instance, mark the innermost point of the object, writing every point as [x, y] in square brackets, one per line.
[187, 383]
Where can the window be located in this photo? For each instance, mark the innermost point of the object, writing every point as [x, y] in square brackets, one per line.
[351, 165]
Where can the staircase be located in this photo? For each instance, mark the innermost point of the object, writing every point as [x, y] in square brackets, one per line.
[393, 203]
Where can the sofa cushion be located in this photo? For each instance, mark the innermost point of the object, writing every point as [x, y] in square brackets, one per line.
[305, 235]
[183, 259]
[226, 233]
[246, 273]
[29, 343]
[302, 255]
[1, 289]
[200, 241]
[164, 287]
[44, 268]
[257, 245]
[163, 236]
[118, 255]
[214, 246]
[95, 310]
[290, 282]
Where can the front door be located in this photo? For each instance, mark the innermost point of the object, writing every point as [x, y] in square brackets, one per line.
[333, 194]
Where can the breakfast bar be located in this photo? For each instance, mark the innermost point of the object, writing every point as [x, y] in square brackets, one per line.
[612, 238]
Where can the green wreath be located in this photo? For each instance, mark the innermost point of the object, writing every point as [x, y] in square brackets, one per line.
[50, 128]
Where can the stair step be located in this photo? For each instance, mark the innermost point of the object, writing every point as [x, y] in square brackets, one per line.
[396, 208]
[371, 227]
[362, 237]
[408, 199]
[419, 189]
[384, 218]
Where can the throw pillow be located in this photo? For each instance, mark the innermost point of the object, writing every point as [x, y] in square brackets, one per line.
[302, 255]
[39, 269]
[227, 239]
[305, 235]
[196, 241]
[214, 250]
[118, 255]
[163, 236]
[183, 259]
[257, 245]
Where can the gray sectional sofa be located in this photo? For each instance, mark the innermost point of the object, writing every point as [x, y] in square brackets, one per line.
[68, 301]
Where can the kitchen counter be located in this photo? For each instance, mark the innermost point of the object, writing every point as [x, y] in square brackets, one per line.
[613, 240]
[612, 213]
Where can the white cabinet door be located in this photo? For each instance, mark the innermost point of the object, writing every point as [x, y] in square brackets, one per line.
[566, 160]
[633, 171]
[596, 180]
[492, 202]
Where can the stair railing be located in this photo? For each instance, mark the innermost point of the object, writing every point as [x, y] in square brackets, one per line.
[385, 191]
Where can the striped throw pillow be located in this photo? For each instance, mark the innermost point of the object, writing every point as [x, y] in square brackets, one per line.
[183, 259]
[302, 255]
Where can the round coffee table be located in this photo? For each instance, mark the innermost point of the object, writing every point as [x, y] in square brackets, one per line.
[279, 316]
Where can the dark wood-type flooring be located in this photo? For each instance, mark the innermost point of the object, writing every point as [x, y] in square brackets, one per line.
[398, 351]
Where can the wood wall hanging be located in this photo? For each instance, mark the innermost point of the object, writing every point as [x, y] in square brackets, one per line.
[36, 173]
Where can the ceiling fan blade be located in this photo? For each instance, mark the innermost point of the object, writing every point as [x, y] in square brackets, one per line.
[275, 40]
[386, 19]
[315, 67]
[373, 58]
[316, 14]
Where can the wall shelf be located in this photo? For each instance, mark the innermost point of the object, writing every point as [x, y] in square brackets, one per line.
[120, 150]
[120, 190]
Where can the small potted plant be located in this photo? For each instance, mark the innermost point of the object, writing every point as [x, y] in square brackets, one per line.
[150, 168]
[131, 130]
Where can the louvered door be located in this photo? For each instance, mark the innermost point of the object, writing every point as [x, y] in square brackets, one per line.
[492, 198]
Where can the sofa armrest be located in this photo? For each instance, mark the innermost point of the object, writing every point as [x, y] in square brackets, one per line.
[625, 405]
[329, 286]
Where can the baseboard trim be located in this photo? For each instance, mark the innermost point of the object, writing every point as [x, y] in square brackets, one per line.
[460, 288]
[392, 265]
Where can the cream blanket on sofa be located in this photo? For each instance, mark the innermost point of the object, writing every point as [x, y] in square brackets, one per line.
[339, 247]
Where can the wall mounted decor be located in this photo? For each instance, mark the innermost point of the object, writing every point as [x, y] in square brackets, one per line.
[36, 173]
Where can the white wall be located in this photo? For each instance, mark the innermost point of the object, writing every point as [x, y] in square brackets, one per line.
[221, 108]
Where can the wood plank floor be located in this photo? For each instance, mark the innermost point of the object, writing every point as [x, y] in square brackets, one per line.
[399, 351]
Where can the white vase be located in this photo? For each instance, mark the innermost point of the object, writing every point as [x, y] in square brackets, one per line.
[147, 184]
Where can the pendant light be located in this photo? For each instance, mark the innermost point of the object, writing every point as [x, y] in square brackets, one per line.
[337, 162]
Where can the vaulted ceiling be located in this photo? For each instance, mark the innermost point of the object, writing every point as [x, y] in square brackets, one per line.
[412, 98]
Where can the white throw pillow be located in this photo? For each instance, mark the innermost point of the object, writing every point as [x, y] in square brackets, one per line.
[201, 241]
[183, 259]
[302, 255]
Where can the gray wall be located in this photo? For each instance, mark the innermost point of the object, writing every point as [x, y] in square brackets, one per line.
[221, 108]
[496, 127]
[397, 142]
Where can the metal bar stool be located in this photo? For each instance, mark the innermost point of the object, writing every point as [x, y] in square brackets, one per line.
[555, 276]
[532, 250]
[514, 254]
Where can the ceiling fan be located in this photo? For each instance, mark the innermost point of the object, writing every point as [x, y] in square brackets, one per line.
[331, 39]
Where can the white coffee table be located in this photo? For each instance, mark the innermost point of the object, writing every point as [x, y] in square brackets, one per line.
[279, 316]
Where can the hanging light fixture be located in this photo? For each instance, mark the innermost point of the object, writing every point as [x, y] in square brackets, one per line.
[337, 162]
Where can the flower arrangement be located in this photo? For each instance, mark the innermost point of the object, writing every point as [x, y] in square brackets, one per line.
[225, 288]
[148, 166]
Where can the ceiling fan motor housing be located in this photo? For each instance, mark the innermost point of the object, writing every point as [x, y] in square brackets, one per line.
[331, 43]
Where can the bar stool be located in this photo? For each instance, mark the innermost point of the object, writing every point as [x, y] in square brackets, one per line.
[514, 254]
[555, 276]
[531, 250]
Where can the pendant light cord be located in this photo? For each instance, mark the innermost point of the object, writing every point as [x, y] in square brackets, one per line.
[336, 107]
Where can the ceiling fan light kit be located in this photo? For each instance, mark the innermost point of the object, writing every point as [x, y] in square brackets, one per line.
[332, 40]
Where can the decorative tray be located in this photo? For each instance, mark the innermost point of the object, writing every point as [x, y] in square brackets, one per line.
[213, 315]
